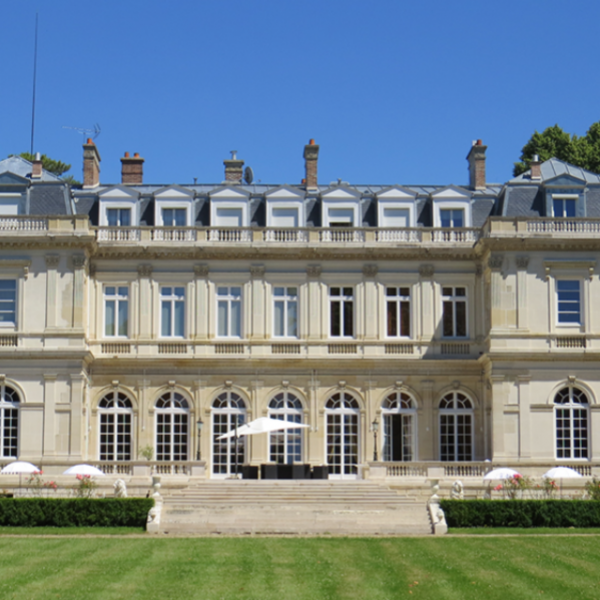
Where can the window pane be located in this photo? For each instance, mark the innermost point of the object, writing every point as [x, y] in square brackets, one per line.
[223, 311]
[179, 318]
[348, 318]
[180, 217]
[569, 208]
[448, 320]
[123, 310]
[335, 318]
[292, 319]
[446, 218]
[125, 215]
[278, 291]
[166, 319]
[457, 218]
[112, 217]
[392, 319]
[236, 318]
[461, 319]
[279, 316]
[109, 318]
[405, 318]
[167, 217]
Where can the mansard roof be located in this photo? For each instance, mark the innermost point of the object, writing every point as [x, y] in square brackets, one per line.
[555, 168]
[21, 167]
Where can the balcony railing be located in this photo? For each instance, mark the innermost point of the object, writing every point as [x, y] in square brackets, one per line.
[564, 225]
[23, 224]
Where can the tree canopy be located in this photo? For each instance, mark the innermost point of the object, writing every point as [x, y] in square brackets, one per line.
[582, 151]
[53, 166]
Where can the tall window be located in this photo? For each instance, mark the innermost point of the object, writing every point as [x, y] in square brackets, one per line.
[568, 296]
[8, 302]
[399, 416]
[456, 428]
[342, 419]
[228, 409]
[229, 310]
[286, 445]
[172, 311]
[285, 312]
[174, 217]
[115, 413]
[172, 427]
[9, 422]
[564, 207]
[571, 416]
[398, 311]
[452, 217]
[116, 311]
[454, 313]
[341, 313]
[118, 217]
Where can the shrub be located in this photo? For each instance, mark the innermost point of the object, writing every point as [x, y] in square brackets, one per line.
[521, 513]
[74, 512]
[593, 489]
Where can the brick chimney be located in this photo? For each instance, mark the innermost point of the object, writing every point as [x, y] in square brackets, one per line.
[233, 169]
[36, 167]
[311, 155]
[476, 158]
[536, 168]
[91, 165]
[132, 169]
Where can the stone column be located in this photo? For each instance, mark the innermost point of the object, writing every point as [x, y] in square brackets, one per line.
[498, 320]
[257, 306]
[204, 314]
[428, 422]
[370, 312]
[522, 264]
[315, 451]
[498, 401]
[428, 312]
[79, 262]
[145, 310]
[77, 392]
[52, 261]
[315, 317]
[49, 445]
[523, 382]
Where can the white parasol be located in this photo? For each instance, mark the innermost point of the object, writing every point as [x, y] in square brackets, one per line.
[86, 470]
[261, 425]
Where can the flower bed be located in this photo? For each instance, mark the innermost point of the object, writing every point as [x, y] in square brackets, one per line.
[74, 512]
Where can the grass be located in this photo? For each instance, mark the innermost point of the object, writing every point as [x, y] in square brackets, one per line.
[300, 568]
[523, 531]
[94, 531]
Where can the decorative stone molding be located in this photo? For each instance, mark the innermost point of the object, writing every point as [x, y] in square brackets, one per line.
[78, 261]
[144, 270]
[456, 384]
[572, 379]
[92, 269]
[563, 265]
[285, 384]
[522, 262]
[370, 270]
[341, 384]
[52, 260]
[314, 270]
[228, 383]
[426, 270]
[171, 383]
[201, 270]
[398, 384]
[257, 271]
[115, 383]
[495, 261]
[2, 378]
[478, 270]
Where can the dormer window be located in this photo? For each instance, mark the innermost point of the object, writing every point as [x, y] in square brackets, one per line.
[564, 206]
[451, 208]
[396, 208]
[285, 207]
[341, 207]
[118, 217]
[340, 217]
[9, 204]
[452, 217]
[173, 207]
[119, 207]
[174, 217]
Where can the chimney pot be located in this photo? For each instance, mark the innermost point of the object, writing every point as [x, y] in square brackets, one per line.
[132, 169]
[36, 167]
[476, 158]
[91, 165]
[311, 156]
[535, 167]
[234, 169]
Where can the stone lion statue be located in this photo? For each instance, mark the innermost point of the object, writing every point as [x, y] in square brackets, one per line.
[457, 490]
[120, 489]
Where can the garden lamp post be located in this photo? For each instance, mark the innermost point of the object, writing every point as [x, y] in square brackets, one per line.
[199, 425]
[375, 426]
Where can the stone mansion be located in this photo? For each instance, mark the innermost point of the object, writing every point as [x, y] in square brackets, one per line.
[407, 326]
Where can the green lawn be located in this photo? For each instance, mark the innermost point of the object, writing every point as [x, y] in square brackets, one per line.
[306, 568]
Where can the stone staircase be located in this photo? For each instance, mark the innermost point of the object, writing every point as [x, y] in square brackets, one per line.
[294, 507]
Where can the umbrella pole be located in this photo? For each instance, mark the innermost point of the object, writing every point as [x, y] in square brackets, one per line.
[236, 447]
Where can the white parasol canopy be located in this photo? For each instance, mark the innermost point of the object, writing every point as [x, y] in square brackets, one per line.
[562, 473]
[84, 470]
[262, 425]
[20, 467]
[500, 473]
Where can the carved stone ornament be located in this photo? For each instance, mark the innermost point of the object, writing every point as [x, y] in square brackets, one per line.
[426, 270]
[314, 270]
[144, 270]
[92, 269]
[201, 270]
[522, 262]
[171, 383]
[341, 384]
[398, 384]
[52, 261]
[228, 383]
[285, 384]
[456, 384]
[79, 261]
[257, 270]
[478, 270]
[572, 379]
[495, 262]
[370, 270]
[115, 383]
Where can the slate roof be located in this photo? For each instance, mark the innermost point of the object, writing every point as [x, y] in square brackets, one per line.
[553, 168]
[50, 199]
[20, 166]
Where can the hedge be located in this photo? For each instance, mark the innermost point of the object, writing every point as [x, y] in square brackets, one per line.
[521, 513]
[74, 512]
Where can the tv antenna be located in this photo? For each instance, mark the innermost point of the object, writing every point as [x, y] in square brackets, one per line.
[93, 133]
[34, 81]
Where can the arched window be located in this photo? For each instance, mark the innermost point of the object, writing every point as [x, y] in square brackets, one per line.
[172, 427]
[342, 421]
[115, 413]
[571, 417]
[286, 445]
[229, 454]
[456, 427]
[9, 422]
[399, 426]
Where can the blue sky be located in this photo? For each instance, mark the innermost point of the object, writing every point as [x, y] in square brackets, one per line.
[393, 91]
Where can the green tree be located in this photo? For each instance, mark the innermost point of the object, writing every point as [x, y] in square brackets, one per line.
[53, 166]
[554, 142]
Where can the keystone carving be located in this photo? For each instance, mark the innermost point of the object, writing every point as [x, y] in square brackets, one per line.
[370, 270]
[522, 262]
[144, 270]
[426, 270]
[495, 262]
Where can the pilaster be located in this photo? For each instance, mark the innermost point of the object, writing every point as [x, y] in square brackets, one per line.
[52, 262]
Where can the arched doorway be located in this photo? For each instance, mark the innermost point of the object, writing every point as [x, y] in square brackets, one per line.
[227, 409]
[115, 418]
[172, 427]
[342, 417]
[285, 447]
[399, 415]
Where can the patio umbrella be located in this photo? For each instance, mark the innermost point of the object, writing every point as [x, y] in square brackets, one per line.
[562, 473]
[88, 470]
[262, 425]
[500, 473]
[19, 467]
